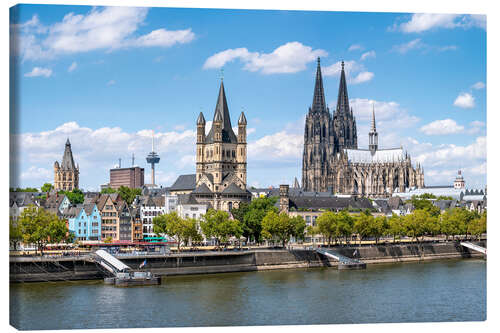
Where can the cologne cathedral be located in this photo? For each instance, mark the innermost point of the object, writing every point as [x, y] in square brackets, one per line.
[332, 161]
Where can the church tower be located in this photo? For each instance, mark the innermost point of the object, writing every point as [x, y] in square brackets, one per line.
[221, 158]
[344, 122]
[66, 174]
[319, 140]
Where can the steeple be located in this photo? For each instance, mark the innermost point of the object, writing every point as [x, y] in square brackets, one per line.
[201, 119]
[222, 113]
[373, 128]
[319, 104]
[67, 162]
[373, 135]
[343, 98]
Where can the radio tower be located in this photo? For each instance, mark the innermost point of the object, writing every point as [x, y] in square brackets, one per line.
[152, 159]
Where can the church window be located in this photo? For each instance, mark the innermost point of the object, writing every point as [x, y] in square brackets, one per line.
[234, 154]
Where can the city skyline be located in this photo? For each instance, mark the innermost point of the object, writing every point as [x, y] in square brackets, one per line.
[104, 88]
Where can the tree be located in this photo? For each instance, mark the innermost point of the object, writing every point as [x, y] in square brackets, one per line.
[423, 204]
[299, 226]
[128, 194]
[108, 190]
[39, 226]
[415, 223]
[75, 197]
[477, 227]
[363, 224]
[345, 225]
[378, 227]
[189, 231]
[327, 226]
[15, 233]
[169, 224]
[47, 187]
[216, 224]
[396, 227]
[281, 227]
[254, 214]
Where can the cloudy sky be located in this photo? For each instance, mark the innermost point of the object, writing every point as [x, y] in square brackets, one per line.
[106, 77]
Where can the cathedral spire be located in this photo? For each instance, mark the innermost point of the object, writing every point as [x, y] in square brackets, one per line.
[373, 135]
[343, 98]
[374, 127]
[319, 104]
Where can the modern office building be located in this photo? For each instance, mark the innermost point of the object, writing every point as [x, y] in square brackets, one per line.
[131, 177]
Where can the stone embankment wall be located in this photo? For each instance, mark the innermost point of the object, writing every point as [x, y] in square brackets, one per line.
[78, 268]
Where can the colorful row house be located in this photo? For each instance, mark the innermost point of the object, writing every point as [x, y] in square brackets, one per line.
[84, 221]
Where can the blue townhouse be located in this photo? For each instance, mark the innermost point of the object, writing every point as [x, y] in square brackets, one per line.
[85, 222]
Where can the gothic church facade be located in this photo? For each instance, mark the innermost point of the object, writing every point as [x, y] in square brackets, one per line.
[66, 174]
[331, 159]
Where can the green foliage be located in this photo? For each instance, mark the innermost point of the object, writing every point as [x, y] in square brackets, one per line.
[27, 189]
[189, 231]
[169, 224]
[47, 187]
[251, 215]
[15, 233]
[216, 224]
[39, 226]
[108, 239]
[415, 223]
[362, 224]
[425, 196]
[128, 194]
[282, 227]
[444, 197]
[477, 226]
[396, 227]
[75, 197]
[424, 204]
[327, 225]
[108, 190]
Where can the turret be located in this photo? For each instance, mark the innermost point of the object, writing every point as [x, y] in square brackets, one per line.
[200, 124]
[242, 128]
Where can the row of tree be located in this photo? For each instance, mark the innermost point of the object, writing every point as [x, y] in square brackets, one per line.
[219, 226]
[38, 226]
[422, 222]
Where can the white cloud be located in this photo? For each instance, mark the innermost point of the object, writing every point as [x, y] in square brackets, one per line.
[369, 54]
[355, 72]
[476, 127]
[165, 38]
[411, 45]
[37, 174]
[385, 112]
[355, 47]
[39, 71]
[442, 127]
[362, 77]
[448, 48]
[423, 22]
[72, 67]
[278, 146]
[478, 85]
[97, 150]
[465, 101]
[107, 28]
[291, 57]
[452, 154]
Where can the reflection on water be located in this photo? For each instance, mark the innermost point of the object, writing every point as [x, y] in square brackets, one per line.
[381, 293]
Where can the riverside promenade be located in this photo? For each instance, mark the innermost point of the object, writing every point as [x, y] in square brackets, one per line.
[38, 269]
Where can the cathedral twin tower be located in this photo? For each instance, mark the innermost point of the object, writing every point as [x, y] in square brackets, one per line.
[332, 161]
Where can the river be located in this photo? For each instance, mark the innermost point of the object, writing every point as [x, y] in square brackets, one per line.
[448, 290]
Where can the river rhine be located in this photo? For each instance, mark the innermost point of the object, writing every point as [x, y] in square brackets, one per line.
[403, 292]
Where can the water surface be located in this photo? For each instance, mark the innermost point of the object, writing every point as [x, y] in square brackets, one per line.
[449, 290]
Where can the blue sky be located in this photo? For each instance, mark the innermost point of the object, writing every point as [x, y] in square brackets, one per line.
[106, 77]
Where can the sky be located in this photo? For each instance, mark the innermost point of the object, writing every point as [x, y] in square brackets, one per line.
[107, 77]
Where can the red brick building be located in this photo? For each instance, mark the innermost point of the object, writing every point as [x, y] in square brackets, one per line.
[130, 177]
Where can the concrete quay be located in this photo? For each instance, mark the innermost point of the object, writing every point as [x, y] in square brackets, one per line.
[37, 269]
